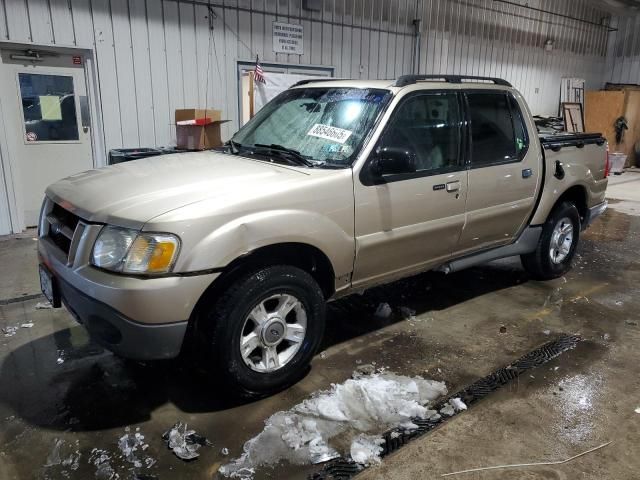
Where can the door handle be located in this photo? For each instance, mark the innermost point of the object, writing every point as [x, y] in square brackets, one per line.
[453, 186]
[527, 172]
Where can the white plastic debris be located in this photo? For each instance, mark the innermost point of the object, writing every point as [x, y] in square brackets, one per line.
[367, 404]
[43, 306]
[366, 449]
[9, 331]
[185, 443]
[27, 325]
[383, 311]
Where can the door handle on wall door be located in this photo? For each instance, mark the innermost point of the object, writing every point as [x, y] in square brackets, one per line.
[453, 186]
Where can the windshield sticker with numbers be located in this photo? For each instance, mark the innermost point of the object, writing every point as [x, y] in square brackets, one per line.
[328, 132]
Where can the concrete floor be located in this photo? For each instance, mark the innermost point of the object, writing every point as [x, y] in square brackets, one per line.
[55, 384]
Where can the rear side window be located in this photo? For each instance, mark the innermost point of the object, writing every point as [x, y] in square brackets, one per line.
[493, 139]
[522, 139]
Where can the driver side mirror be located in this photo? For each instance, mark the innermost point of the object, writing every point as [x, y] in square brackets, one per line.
[392, 161]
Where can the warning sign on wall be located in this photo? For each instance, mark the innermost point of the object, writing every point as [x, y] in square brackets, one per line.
[288, 38]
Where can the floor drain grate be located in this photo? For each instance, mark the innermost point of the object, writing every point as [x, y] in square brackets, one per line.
[343, 469]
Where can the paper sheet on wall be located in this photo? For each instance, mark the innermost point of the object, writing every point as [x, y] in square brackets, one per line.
[275, 83]
[50, 107]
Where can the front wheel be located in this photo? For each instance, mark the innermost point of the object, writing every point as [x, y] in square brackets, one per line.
[264, 330]
[557, 244]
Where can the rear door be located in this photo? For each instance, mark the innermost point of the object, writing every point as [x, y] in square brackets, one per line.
[504, 173]
[410, 221]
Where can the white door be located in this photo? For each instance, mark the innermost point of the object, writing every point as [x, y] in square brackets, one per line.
[46, 116]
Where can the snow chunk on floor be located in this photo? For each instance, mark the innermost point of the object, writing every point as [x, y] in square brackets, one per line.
[131, 445]
[365, 404]
[383, 311]
[452, 406]
[458, 404]
[366, 449]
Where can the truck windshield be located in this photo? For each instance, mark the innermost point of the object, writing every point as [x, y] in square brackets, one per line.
[319, 126]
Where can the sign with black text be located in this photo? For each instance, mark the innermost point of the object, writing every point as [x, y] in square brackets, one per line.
[288, 38]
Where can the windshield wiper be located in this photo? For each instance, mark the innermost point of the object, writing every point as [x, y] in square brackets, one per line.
[291, 153]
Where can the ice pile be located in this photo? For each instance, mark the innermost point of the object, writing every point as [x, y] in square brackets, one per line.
[366, 404]
[102, 461]
[130, 445]
[452, 406]
[383, 311]
[60, 455]
[366, 449]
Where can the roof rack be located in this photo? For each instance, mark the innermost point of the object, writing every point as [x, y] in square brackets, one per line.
[405, 80]
[319, 79]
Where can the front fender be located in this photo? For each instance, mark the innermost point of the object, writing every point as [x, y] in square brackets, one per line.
[250, 232]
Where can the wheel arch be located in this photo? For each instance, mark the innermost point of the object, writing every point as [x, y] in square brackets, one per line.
[577, 194]
[302, 255]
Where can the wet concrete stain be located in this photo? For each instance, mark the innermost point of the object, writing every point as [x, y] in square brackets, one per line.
[55, 384]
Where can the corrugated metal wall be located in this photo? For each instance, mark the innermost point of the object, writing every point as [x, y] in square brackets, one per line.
[501, 39]
[623, 60]
[154, 56]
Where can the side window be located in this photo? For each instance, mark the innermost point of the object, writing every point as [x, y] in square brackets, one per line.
[429, 126]
[522, 138]
[493, 139]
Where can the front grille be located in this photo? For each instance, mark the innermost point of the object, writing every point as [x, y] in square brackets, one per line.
[62, 226]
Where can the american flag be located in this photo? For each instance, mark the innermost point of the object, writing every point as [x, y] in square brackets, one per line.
[258, 73]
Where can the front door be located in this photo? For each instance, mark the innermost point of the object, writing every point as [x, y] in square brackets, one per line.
[412, 221]
[45, 109]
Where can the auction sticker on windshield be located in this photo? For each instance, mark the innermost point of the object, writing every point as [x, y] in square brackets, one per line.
[328, 132]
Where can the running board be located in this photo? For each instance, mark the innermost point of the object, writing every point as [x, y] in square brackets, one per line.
[526, 243]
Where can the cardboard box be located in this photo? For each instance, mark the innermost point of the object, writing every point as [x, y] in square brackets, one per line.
[199, 137]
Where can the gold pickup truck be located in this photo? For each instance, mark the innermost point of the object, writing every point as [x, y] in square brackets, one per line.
[334, 186]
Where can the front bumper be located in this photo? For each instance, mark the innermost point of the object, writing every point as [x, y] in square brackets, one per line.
[121, 335]
[593, 213]
[138, 318]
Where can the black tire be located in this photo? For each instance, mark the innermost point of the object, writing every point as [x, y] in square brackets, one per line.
[223, 320]
[540, 263]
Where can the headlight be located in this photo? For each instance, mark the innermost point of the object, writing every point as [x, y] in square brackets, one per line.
[129, 251]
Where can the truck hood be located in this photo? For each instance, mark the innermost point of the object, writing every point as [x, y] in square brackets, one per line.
[132, 193]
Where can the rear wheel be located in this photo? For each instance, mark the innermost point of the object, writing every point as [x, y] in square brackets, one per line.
[557, 244]
[264, 329]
